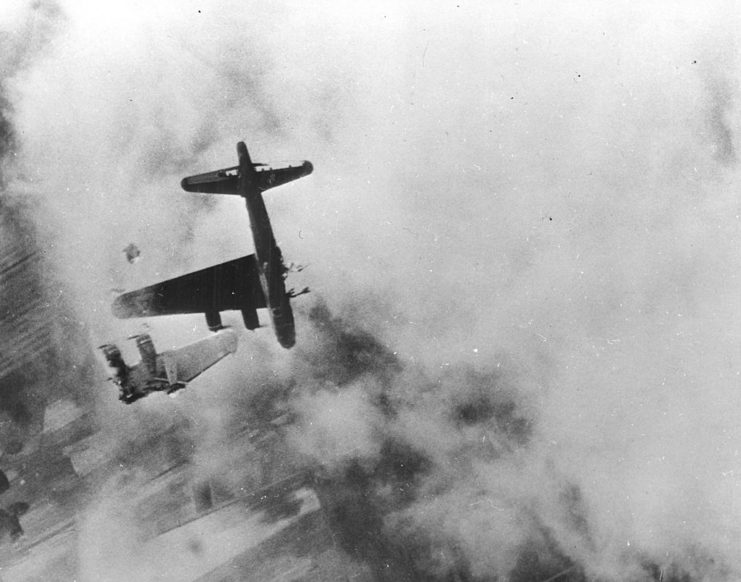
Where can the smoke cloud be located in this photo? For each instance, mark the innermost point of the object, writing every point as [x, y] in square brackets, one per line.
[521, 357]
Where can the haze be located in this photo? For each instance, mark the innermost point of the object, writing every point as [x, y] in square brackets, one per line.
[530, 214]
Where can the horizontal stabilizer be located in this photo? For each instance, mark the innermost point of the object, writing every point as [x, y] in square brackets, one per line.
[271, 176]
[184, 364]
[224, 181]
[266, 176]
[234, 285]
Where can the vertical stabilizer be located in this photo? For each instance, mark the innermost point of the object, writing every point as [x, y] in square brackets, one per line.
[145, 345]
[247, 174]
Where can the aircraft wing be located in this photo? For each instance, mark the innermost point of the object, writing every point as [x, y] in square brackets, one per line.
[228, 286]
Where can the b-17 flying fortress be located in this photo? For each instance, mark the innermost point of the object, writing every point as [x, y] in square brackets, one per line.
[246, 284]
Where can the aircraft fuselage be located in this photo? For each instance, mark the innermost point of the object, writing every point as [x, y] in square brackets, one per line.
[168, 371]
[246, 284]
[271, 269]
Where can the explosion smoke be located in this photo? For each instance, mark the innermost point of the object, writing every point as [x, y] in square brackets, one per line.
[523, 228]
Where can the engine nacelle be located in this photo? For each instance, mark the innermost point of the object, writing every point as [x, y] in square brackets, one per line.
[251, 321]
[213, 320]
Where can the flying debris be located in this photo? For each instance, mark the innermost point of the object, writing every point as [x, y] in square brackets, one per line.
[248, 283]
[292, 293]
[294, 268]
[169, 371]
[132, 253]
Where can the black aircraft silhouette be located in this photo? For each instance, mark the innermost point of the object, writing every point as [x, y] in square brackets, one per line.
[168, 371]
[248, 283]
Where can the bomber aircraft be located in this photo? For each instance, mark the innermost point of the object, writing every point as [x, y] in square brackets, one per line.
[169, 371]
[248, 283]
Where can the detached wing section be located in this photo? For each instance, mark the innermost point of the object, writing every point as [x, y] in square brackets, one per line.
[219, 182]
[228, 286]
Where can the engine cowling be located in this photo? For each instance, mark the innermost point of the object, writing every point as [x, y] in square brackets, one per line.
[213, 320]
[251, 321]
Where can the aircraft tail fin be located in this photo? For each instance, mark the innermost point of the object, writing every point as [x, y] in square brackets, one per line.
[147, 352]
[263, 176]
[226, 181]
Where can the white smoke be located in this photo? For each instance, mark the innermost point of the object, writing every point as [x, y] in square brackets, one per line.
[545, 197]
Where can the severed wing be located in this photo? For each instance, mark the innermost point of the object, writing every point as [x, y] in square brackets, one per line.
[224, 287]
